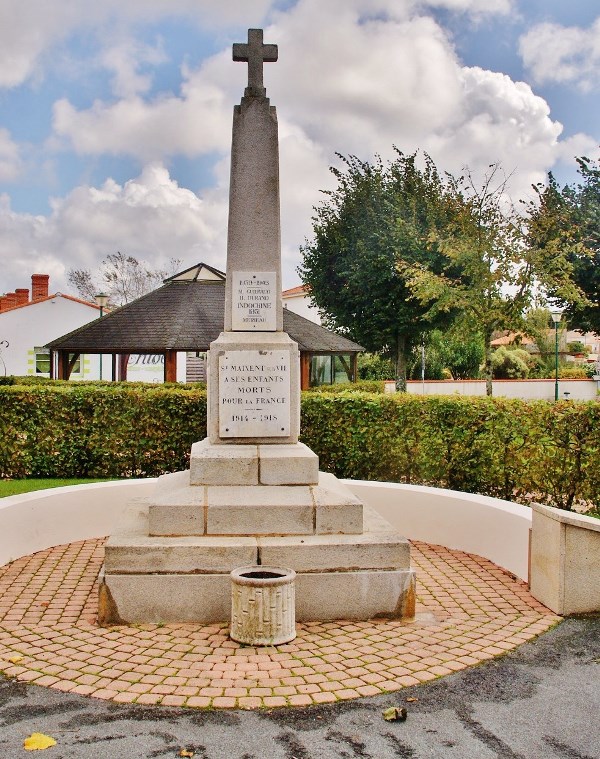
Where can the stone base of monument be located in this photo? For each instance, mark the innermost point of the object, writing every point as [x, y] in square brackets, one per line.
[171, 558]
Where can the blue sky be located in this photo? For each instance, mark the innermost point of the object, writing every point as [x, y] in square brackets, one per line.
[115, 118]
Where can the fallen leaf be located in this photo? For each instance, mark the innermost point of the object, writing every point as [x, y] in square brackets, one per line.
[38, 742]
[185, 752]
[15, 659]
[410, 699]
[395, 714]
[45, 604]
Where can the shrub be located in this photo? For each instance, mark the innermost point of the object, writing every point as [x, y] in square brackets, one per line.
[372, 366]
[500, 447]
[510, 363]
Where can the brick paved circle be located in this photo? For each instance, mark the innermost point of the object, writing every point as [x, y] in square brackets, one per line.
[468, 610]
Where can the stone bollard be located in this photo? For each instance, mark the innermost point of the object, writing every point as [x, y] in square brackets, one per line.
[263, 611]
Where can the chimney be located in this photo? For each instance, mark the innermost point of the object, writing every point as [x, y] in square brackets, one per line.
[10, 301]
[39, 286]
[22, 294]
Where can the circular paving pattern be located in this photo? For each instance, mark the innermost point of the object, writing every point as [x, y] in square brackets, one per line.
[468, 610]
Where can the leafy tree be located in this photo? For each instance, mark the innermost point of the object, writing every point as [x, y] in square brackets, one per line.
[490, 269]
[123, 278]
[565, 225]
[379, 213]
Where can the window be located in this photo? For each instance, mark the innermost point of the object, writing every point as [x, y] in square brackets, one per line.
[330, 369]
[42, 361]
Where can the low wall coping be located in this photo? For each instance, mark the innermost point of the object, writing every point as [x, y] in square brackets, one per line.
[568, 517]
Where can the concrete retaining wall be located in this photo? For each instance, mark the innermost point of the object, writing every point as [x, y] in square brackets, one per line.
[497, 530]
[534, 390]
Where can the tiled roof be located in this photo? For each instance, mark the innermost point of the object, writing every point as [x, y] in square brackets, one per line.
[184, 316]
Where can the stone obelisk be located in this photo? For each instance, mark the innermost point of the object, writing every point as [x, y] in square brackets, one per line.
[253, 494]
[253, 378]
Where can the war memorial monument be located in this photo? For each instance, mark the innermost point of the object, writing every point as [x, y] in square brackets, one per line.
[253, 495]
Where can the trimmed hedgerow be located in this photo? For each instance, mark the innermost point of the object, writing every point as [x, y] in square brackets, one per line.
[95, 431]
[506, 448]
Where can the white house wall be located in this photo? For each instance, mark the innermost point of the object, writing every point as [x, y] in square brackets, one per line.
[301, 305]
[25, 328]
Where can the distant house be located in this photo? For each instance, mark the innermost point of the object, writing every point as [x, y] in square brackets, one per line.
[27, 324]
[297, 299]
[176, 324]
[589, 340]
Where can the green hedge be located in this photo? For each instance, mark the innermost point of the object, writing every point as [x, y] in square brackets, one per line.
[96, 431]
[505, 448]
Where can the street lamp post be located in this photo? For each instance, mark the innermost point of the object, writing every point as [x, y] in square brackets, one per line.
[101, 301]
[556, 317]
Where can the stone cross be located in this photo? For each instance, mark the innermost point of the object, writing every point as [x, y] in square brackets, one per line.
[255, 54]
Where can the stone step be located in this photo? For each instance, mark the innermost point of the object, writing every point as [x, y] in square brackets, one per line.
[179, 508]
[287, 464]
[206, 598]
[131, 551]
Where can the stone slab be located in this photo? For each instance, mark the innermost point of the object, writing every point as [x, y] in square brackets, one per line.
[164, 598]
[337, 509]
[288, 465]
[223, 465]
[206, 598]
[255, 393]
[379, 547]
[176, 508]
[260, 510]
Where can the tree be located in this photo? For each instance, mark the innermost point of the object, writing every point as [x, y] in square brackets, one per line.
[449, 354]
[123, 278]
[377, 214]
[566, 222]
[490, 270]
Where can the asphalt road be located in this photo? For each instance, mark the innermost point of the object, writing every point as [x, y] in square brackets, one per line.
[541, 701]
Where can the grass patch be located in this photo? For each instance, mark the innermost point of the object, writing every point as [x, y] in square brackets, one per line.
[15, 487]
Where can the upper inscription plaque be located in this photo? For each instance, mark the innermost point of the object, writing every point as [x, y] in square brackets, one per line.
[253, 301]
[254, 394]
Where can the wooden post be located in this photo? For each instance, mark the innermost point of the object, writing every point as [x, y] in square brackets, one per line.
[113, 366]
[63, 365]
[123, 361]
[304, 370]
[354, 367]
[170, 374]
[52, 367]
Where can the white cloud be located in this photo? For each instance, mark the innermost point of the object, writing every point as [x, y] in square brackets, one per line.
[10, 157]
[124, 61]
[149, 217]
[555, 53]
[31, 28]
[354, 76]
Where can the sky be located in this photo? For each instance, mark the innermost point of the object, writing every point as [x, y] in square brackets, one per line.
[115, 116]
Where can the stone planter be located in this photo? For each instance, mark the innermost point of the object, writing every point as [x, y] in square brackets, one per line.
[565, 560]
[263, 609]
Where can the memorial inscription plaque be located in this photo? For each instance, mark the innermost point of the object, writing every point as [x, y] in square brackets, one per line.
[253, 306]
[254, 394]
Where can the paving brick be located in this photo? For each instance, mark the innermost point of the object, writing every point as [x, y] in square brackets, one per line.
[469, 611]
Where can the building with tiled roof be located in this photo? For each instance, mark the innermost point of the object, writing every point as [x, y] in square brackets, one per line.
[28, 322]
[179, 321]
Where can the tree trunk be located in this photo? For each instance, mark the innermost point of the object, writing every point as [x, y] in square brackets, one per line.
[400, 361]
[488, 362]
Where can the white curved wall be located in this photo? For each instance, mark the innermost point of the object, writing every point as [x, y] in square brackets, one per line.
[489, 527]
[45, 518]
